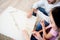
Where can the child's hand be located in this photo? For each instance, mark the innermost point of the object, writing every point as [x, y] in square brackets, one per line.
[42, 23]
[36, 35]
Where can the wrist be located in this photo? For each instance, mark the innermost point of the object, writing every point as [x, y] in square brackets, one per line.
[43, 27]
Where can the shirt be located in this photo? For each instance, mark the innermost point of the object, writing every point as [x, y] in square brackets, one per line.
[44, 4]
[54, 33]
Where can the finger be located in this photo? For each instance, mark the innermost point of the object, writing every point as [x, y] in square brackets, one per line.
[42, 21]
[34, 32]
[35, 35]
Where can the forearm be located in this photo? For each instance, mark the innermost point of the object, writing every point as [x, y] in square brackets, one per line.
[42, 29]
[44, 32]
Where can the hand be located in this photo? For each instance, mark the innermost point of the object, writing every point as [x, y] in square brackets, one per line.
[26, 35]
[36, 35]
[29, 14]
[42, 23]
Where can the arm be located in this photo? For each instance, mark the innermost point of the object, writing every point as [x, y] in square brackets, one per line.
[47, 36]
[31, 12]
[34, 7]
[42, 30]
[37, 35]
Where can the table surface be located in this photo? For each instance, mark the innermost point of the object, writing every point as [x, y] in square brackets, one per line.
[13, 21]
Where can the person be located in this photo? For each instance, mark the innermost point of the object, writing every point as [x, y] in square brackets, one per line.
[43, 6]
[54, 24]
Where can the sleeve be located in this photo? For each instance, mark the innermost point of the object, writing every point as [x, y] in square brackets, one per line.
[38, 4]
[53, 32]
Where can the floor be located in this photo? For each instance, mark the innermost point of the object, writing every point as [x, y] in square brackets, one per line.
[4, 37]
[24, 5]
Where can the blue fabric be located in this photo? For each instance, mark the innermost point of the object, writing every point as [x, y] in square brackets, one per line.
[32, 38]
[42, 10]
[39, 26]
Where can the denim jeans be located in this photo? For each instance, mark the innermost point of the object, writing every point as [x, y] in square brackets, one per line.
[39, 26]
[42, 10]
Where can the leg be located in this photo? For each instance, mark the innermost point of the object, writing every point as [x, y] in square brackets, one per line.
[42, 10]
